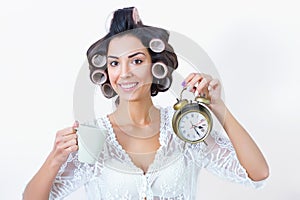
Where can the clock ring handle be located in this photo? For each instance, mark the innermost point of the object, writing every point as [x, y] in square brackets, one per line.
[180, 96]
[200, 98]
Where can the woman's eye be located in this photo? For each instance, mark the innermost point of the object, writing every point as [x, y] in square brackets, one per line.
[113, 63]
[137, 61]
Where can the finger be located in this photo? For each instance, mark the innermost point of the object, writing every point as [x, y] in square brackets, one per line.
[67, 131]
[188, 79]
[213, 84]
[69, 150]
[202, 79]
[67, 138]
[192, 83]
[202, 90]
[64, 149]
[203, 84]
[75, 124]
[69, 143]
[61, 135]
[199, 84]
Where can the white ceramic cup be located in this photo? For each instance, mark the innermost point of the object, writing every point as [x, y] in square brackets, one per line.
[90, 143]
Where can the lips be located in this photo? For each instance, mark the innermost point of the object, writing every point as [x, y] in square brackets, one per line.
[128, 86]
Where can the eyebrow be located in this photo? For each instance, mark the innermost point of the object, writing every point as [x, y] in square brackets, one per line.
[130, 56]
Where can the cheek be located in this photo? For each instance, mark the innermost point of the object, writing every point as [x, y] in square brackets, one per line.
[145, 74]
[112, 74]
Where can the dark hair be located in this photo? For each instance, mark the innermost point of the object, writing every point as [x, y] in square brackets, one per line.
[122, 24]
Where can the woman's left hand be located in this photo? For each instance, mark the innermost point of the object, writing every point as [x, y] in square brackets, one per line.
[205, 86]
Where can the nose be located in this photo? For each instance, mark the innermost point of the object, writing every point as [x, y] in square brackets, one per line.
[125, 71]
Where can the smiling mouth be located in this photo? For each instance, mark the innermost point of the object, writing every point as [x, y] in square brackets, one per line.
[128, 86]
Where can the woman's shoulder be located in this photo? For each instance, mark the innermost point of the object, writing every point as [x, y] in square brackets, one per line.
[166, 114]
[167, 110]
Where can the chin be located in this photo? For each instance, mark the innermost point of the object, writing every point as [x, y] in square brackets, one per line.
[134, 97]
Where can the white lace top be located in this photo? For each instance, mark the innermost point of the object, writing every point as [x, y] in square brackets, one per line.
[172, 175]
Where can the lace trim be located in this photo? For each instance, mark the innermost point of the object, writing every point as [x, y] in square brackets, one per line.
[115, 150]
[222, 141]
[223, 161]
[71, 175]
[172, 147]
[121, 154]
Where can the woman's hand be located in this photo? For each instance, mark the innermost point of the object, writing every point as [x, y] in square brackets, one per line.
[40, 185]
[205, 86]
[65, 143]
[246, 149]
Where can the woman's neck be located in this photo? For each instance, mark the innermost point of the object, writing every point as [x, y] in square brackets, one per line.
[138, 113]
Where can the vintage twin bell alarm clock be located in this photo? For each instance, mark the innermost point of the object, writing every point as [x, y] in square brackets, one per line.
[192, 121]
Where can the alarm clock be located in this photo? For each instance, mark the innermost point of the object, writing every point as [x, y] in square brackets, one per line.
[192, 121]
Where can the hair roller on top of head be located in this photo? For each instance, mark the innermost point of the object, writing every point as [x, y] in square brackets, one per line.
[123, 20]
[135, 16]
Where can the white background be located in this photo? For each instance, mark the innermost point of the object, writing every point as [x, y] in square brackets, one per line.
[254, 45]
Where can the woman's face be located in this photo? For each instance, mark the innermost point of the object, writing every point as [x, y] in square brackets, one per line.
[129, 68]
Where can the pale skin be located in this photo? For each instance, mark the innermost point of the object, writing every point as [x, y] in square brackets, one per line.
[136, 121]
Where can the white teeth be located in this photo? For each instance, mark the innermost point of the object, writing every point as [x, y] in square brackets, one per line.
[128, 85]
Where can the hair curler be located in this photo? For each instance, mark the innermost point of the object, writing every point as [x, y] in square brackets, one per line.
[157, 45]
[98, 60]
[159, 70]
[164, 84]
[99, 76]
[107, 90]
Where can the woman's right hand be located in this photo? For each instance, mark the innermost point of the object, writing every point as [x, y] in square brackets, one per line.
[65, 143]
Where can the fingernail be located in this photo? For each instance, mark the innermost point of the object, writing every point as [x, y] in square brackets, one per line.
[76, 123]
[203, 95]
[183, 83]
[188, 88]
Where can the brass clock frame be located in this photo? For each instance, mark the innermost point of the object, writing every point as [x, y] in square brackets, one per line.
[183, 107]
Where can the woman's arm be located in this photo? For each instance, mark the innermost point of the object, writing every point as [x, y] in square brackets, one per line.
[247, 151]
[40, 185]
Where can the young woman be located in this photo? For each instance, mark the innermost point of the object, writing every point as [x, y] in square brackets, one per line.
[142, 157]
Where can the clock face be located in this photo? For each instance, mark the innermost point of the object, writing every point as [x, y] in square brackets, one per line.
[193, 126]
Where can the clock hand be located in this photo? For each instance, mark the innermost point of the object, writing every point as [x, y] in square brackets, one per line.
[193, 126]
[200, 121]
[197, 131]
[200, 127]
